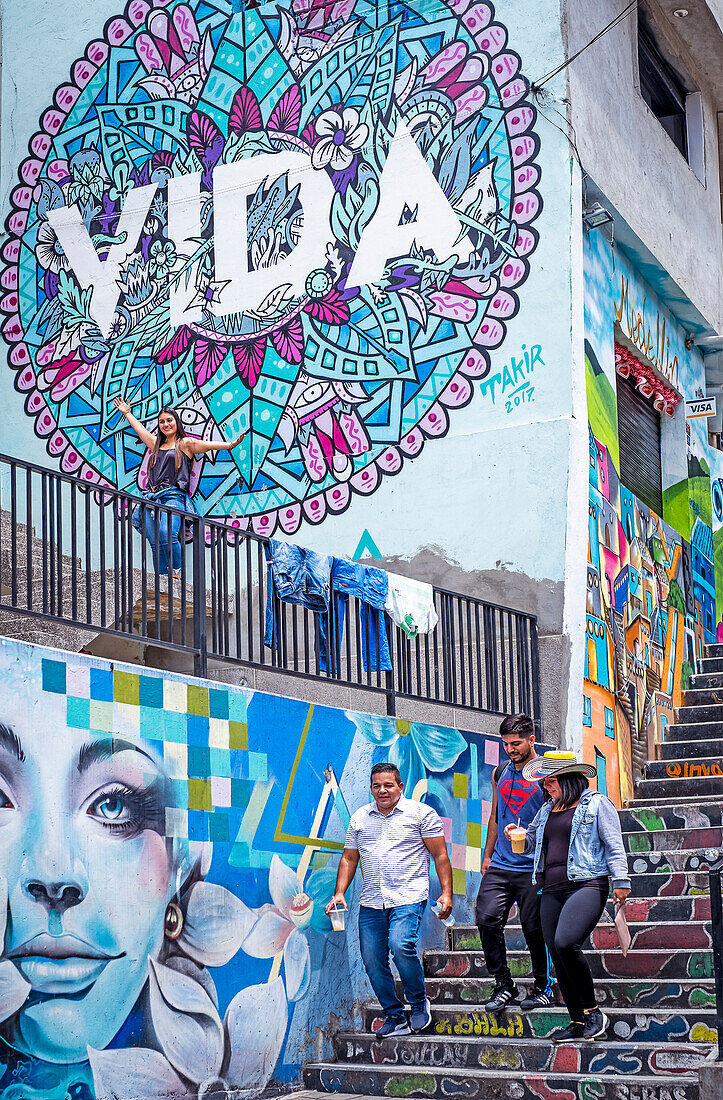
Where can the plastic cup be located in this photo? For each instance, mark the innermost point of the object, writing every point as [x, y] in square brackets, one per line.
[517, 840]
[338, 919]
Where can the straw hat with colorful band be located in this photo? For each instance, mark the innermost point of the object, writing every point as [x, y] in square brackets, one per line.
[556, 763]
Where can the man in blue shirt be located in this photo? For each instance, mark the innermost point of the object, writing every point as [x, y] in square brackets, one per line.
[507, 876]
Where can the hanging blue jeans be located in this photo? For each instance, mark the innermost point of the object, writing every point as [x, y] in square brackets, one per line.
[297, 575]
[395, 929]
[370, 587]
[167, 523]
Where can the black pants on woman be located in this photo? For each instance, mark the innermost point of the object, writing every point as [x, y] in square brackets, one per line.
[568, 916]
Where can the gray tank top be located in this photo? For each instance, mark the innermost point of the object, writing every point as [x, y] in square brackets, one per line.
[163, 475]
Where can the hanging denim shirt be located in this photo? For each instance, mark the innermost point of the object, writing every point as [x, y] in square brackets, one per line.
[370, 586]
[298, 576]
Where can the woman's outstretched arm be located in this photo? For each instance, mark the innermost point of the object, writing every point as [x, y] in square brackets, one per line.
[143, 434]
[199, 446]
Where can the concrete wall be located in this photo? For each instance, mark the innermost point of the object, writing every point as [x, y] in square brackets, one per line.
[438, 459]
[195, 830]
[630, 157]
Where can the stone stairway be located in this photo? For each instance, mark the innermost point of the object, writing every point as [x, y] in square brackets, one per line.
[660, 999]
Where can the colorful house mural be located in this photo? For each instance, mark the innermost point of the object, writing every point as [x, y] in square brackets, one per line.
[166, 850]
[651, 583]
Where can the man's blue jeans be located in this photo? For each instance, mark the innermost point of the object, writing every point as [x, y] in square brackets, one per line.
[395, 929]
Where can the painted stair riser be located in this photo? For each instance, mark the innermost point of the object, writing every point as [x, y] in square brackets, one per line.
[643, 863]
[673, 840]
[609, 992]
[673, 884]
[681, 785]
[681, 935]
[711, 664]
[527, 1055]
[700, 749]
[694, 731]
[636, 965]
[709, 712]
[703, 697]
[499, 1085]
[684, 815]
[660, 1025]
[707, 680]
[715, 649]
[703, 767]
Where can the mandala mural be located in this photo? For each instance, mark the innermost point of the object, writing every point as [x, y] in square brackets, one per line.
[150, 257]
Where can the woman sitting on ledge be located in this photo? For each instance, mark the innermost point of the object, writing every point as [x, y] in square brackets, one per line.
[169, 478]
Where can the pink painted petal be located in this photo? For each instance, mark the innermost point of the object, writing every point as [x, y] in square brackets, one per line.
[203, 134]
[134, 1072]
[177, 346]
[249, 358]
[207, 358]
[284, 884]
[245, 112]
[289, 341]
[269, 934]
[332, 310]
[286, 115]
[255, 1027]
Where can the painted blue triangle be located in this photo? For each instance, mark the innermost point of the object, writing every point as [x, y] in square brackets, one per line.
[367, 548]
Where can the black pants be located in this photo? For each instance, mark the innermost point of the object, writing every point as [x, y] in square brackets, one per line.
[498, 892]
[568, 917]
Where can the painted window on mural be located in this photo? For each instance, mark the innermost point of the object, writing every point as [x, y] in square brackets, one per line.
[609, 722]
[586, 711]
[602, 772]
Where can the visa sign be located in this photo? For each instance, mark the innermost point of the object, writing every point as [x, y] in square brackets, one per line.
[703, 406]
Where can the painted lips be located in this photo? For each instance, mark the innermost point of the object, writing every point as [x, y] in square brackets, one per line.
[59, 964]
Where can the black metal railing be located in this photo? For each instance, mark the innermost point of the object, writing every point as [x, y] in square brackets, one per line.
[70, 554]
[716, 917]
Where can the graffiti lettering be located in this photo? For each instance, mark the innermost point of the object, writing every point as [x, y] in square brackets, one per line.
[513, 376]
[692, 770]
[637, 327]
[649, 1092]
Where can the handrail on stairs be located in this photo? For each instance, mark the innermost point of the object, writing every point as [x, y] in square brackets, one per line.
[716, 916]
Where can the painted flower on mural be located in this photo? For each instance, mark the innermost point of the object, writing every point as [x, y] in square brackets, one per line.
[341, 135]
[282, 927]
[414, 747]
[49, 251]
[162, 258]
[200, 1054]
[14, 989]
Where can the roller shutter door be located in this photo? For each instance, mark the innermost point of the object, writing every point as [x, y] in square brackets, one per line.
[639, 439]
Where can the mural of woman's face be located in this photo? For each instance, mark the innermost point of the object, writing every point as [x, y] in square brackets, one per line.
[89, 877]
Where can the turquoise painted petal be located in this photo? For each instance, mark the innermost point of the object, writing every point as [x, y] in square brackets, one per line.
[320, 888]
[380, 731]
[438, 746]
[404, 754]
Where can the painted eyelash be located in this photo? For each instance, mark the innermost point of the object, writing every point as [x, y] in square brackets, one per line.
[143, 805]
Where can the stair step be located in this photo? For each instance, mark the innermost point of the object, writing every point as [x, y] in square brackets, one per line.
[646, 815]
[669, 885]
[703, 696]
[609, 992]
[715, 649]
[529, 1055]
[631, 1024]
[707, 679]
[674, 935]
[694, 731]
[658, 863]
[673, 840]
[682, 786]
[703, 767]
[686, 750]
[490, 1084]
[710, 712]
[644, 966]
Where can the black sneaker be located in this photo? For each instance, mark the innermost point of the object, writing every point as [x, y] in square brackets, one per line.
[570, 1034]
[596, 1023]
[502, 995]
[536, 998]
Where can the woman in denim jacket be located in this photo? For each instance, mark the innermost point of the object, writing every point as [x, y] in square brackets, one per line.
[578, 847]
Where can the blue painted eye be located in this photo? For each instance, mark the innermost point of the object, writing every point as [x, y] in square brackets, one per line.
[111, 807]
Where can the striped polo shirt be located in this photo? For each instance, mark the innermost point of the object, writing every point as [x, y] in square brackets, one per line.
[393, 855]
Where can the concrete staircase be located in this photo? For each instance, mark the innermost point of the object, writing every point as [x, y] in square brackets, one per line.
[660, 1000]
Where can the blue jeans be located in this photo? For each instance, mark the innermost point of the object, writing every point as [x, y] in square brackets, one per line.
[167, 539]
[395, 929]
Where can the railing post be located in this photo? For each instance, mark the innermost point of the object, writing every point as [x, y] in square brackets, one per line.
[391, 694]
[200, 640]
[716, 917]
[535, 673]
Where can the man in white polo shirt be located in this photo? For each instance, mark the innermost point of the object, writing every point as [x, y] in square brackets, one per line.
[394, 838]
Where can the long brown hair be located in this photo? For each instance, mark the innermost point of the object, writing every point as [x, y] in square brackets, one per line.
[180, 434]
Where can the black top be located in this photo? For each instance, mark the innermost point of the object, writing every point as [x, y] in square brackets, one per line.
[163, 474]
[556, 845]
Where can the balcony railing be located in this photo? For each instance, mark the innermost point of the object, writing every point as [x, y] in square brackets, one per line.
[71, 555]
